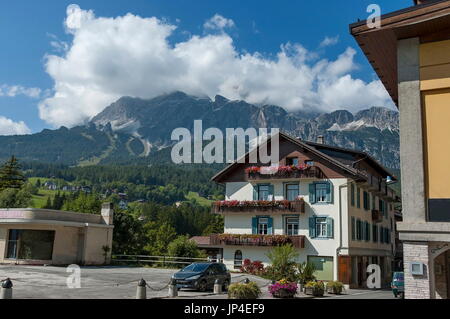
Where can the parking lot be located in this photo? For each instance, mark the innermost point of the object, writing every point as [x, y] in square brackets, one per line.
[36, 282]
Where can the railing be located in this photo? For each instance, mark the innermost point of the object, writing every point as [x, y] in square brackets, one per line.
[264, 173]
[377, 216]
[296, 206]
[159, 260]
[257, 240]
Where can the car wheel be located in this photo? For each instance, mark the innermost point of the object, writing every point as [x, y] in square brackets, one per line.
[202, 286]
[395, 295]
[225, 286]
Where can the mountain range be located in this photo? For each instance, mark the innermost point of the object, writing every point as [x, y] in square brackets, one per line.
[133, 130]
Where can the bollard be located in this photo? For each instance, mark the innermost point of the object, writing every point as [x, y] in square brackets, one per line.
[173, 289]
[6, 289]
[246, 281]
[141, 292]
[217, 287]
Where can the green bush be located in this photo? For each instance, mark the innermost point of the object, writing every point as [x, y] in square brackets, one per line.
[244, 291]
[335, 287]
[306, 272]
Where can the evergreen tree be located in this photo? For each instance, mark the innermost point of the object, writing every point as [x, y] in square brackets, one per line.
[11, 175]
[48, 205]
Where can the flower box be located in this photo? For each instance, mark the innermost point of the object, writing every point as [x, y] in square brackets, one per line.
[283, 289]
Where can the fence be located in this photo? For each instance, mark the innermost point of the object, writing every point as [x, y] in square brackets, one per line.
[159, 260]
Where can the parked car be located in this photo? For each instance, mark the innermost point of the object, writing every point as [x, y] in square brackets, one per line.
[202, 276]
[398, 284]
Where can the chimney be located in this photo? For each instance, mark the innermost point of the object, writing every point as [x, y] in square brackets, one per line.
[320, 139]
[108, 213]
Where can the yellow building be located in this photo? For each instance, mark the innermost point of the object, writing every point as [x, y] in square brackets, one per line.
[410, 51]
[41, 236]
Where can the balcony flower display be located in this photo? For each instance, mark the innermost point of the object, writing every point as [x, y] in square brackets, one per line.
[253, 203]
[289, 171]
[258, 240]
[283, 289]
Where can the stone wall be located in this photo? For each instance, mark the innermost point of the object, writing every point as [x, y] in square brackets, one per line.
[416, 287]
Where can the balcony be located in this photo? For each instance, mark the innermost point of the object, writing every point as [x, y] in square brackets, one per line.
[257, 240]
[284, 172]
[377, 216]
[373, 182]
[275, 206]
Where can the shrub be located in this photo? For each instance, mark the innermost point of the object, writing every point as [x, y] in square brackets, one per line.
[252, 267]
[335, 287]
[283, 263]
[306, 272]
[318, 287]
[244, 291]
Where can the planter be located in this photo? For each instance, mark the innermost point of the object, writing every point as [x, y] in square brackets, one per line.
[334, 290]
[314, 292]
[284, 293]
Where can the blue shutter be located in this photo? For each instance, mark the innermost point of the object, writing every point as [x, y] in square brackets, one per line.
[271, 191]
[312, 227]
[329, 192]
[254, 225]
[255, 192]
[312, 193]
[330, 227]
[270, 226]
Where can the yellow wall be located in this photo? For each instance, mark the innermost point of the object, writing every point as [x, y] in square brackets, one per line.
[435, 87]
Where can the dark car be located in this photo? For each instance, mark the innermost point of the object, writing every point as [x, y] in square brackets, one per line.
[202, 276]
[398, 284]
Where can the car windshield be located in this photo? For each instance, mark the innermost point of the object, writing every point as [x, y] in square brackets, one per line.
[196, 267]
[398, 276]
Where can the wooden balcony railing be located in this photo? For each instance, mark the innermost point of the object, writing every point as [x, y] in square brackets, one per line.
[257, 240]
[285, 172]
[277, 206]
[377, 216]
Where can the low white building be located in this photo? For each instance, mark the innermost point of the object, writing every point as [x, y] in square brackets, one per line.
[332, 204]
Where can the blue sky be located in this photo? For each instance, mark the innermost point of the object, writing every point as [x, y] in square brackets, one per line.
[27, 29]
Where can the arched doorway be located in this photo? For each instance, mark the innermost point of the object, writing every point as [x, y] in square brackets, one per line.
[441, 271]
[237, 259]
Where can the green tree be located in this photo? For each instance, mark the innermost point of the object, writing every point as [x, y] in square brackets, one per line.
[15, 198]
[183, 247]
[83, 203]
[129, 235]
[11, 175]
[159, 237]
[48, 204]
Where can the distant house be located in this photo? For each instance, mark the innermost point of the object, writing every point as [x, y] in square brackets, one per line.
[333, 205]
[50, 185]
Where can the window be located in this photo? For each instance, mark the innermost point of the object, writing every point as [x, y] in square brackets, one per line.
[309, 163]
[30, 244]
[292, 161]
[291, 226]
[238, 259]
[366, 202]
[374, 202]
[352, 194]
[263, 226]
[263, 192]
[320, 192]
[381, 206]
[358, 230]
[375, 233]
[292, 191]
[321, 227]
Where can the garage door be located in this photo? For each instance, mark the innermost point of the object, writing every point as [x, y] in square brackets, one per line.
[324, 267]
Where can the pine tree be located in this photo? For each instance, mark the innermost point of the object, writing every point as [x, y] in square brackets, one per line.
[48, 205]
[11, 175]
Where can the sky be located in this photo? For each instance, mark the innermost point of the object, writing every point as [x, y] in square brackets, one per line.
[62, 62]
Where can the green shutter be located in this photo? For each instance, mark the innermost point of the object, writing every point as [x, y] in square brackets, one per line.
[352, 194]
[254, 225]
[271, 191]
[312, 227]
[329, 192]
[330, 227]
[358, 197]
[270, 226]
[312, 193]
[353, 228]
[255, 192]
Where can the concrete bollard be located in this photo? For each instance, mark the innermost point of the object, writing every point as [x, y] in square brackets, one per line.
[217, 287]
[173, 289]
[6, 289]
[141, 292]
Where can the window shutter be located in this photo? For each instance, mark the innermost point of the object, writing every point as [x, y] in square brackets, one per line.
[330, 227]
[352, 194]
[270, 226]
[271, 191]
[353, 228]
[312, 227]
[312, 193]
[254, 225]
[329, 192]
[363, 230]
[255, 192]
[358, 197]
[368, 231]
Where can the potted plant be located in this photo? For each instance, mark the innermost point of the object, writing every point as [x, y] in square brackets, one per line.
[335, 287]
[305, 273]
[244, 290]
[315, 288]
[283, 289]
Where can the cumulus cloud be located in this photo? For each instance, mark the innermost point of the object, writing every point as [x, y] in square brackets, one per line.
[15, 90]
[131, 56]
[9, 127]
[329, 41]
[217, 22]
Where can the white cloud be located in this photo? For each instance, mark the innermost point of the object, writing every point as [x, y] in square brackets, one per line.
[217, 22]
[9, 127]
[329, 41]
[131, 55]
[14, 90]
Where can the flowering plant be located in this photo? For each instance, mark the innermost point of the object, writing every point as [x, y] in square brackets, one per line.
[283, 286]
[252, 169]
[252, 267]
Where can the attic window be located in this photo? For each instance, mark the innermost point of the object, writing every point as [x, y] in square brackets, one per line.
[292, 161]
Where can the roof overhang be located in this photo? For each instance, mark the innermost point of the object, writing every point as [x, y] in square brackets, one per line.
[429, 21]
